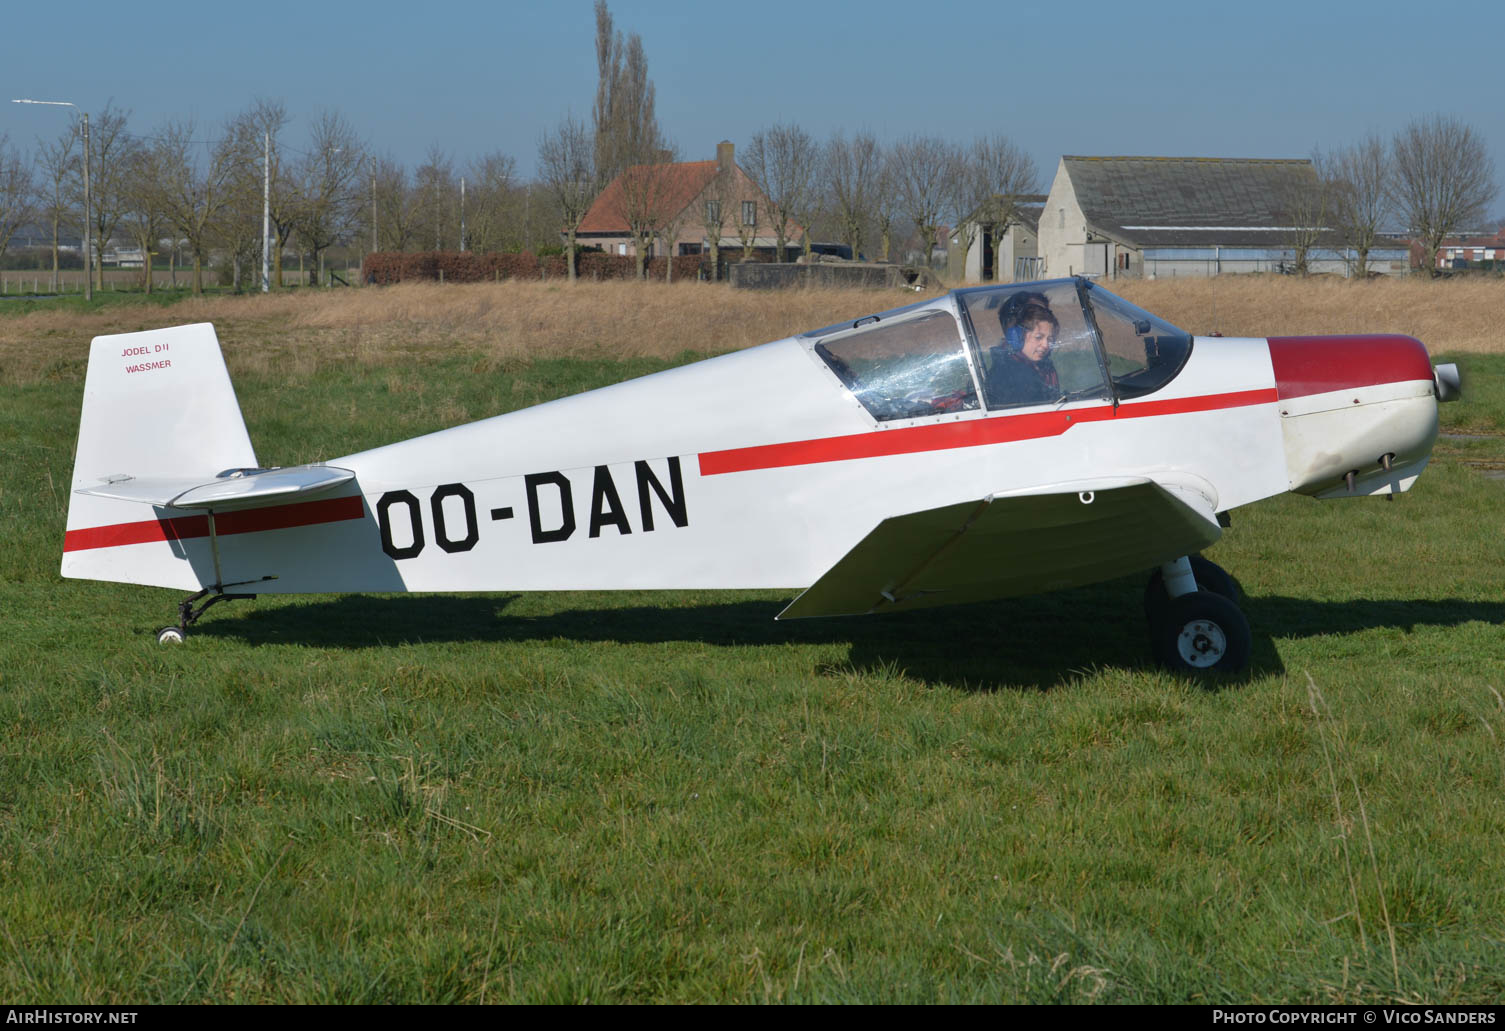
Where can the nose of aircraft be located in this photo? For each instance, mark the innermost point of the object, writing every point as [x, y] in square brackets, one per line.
[1358, 413]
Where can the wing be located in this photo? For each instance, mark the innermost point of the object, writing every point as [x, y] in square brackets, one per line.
[1018, 542]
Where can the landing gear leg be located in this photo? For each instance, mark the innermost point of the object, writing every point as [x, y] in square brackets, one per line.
[1195, 622]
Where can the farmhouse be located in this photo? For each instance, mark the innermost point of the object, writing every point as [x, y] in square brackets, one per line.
[687, 203]
[1164, 216]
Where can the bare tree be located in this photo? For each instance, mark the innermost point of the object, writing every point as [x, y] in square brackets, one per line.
[647, 194]
[437, 200]
[626, 127]
[1360, 182]
[398, 212]
[852, 170]
[197, 179]
[1444, 180]
[718, 203]
[669, 229]
[146, 218]
[567, 164]
[1306, 197]
[747, 227]
[993, 175]
[782, 160]
[110, 151]
[331, 183]
[17, 206]
[925, 171]
[59, 163]
[237, 231]
[490, 201]
[886, 203]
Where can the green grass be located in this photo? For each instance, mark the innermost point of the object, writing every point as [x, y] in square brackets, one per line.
[671, 797]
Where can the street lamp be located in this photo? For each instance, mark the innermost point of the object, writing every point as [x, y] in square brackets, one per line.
[88, 243]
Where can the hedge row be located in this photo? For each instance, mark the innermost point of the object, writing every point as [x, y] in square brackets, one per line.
[465, 267]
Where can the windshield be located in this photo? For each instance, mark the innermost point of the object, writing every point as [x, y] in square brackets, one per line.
[1034, 342]
[1144, 351]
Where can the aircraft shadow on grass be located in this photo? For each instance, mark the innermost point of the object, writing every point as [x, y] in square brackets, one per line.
[1029, 643]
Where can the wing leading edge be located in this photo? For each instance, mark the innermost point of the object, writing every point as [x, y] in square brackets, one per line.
[1018, 542]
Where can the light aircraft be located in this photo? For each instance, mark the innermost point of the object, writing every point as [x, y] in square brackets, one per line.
[936, 453]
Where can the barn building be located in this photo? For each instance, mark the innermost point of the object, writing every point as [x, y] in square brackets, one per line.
[1156, 217]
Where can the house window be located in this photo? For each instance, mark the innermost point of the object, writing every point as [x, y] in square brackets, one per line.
[1062, 223]
[749, 212]
[713, 212]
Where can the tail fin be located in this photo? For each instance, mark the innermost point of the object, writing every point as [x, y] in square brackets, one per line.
[159, 406]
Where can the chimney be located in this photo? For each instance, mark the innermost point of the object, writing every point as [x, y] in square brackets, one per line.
[724, 155]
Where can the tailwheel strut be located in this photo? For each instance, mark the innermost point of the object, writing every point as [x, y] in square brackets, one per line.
[189, 612]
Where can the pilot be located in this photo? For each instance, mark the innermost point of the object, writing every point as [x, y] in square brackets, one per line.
[1021, 371]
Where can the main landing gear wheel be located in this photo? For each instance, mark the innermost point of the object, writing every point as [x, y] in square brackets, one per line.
[1202, 632]
[171, 635]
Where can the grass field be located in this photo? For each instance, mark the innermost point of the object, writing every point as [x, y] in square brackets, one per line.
[671, 797]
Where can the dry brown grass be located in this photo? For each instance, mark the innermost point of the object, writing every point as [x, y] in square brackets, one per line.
[1454, 316]
[296, 333]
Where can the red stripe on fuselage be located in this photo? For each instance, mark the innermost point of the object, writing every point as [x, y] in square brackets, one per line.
[1316, 365]
[248, 520]
[971, 433]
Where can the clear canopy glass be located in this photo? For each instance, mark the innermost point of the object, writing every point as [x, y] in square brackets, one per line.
[1013, 346]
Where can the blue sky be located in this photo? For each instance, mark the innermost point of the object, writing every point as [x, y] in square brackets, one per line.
[1272, 79]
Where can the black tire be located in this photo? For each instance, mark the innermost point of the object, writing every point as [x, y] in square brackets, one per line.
[1202, 632]
[171, 635]
[1210, 577]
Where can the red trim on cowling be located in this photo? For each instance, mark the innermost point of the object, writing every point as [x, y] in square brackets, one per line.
[248, 520]
[972, 433]
[1316, 365]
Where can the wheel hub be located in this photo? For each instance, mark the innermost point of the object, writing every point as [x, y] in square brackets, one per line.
[1201, 643]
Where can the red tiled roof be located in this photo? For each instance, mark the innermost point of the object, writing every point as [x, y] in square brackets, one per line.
[687, 179]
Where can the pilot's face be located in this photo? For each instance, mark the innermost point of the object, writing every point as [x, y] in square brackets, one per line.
[1037, 341]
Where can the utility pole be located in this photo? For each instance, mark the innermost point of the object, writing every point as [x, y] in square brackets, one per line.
[266, 217]
[373, 205]
[462, 213]
[88, 207]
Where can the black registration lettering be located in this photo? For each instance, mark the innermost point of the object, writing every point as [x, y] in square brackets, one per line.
[415, 523]
[441, 531]
[557, 480]
[606, 504]
[673, 500]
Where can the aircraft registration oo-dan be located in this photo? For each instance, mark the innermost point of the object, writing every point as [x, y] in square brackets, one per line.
[995, 441]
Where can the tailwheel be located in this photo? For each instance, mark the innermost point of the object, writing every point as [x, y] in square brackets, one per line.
[171, 635]
[1202, 632]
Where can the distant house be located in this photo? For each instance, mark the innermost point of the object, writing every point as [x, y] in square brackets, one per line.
[1007, 230]
[1159, 216]
[1468, 250]
[684, 190]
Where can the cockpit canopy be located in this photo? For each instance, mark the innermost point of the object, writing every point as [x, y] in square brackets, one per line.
[989, 348]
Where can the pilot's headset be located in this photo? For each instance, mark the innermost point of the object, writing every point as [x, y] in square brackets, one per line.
[1013, 309]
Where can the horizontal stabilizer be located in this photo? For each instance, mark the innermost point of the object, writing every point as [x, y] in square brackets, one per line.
[1020, 542]
[240, 488]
